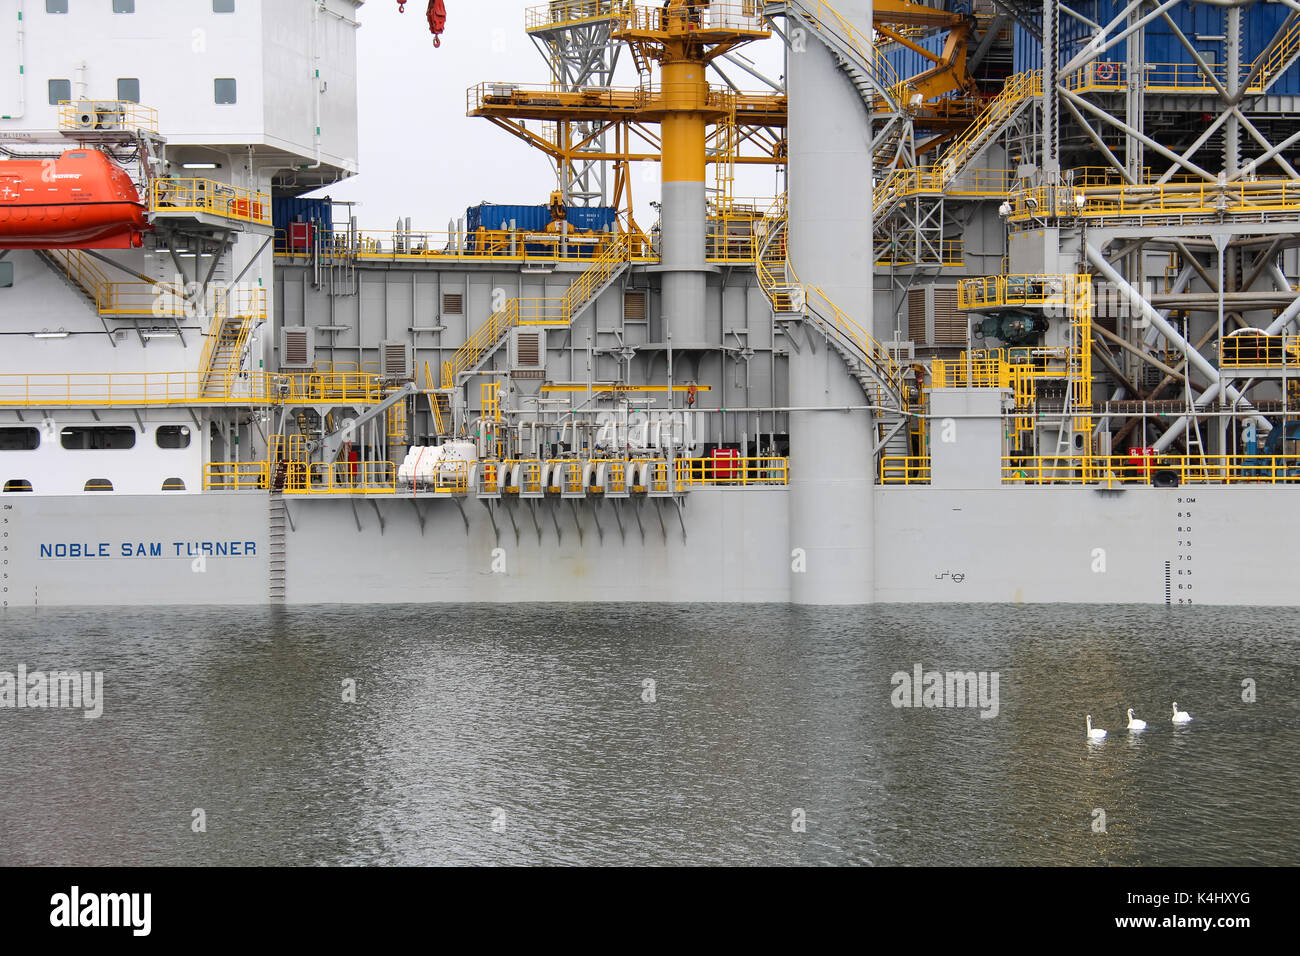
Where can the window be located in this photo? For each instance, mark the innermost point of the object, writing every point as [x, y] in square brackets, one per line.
[223, 91]
[60, 91]
[6, 275]
[98, 437]
[174, 484]
[128, 89]
[223, 6]
[99, 484]
[173, 436]
[20, 439]
[56, 6]
[124, 6]
[17, 485]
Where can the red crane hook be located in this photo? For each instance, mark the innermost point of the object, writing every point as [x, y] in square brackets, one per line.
[436, 15]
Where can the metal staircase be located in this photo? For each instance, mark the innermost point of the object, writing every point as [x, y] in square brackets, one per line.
[562, 312]
[858, 57]
[870, 364]
[1018, 92]
[78, 272]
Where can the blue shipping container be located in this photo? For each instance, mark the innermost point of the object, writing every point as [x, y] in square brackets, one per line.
[287, 210]
[537, 218]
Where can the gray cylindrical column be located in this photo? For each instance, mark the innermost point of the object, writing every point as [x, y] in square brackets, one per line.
[684, 223]
[832, 502]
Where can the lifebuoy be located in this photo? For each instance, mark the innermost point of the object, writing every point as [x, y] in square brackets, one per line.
[1106, 71]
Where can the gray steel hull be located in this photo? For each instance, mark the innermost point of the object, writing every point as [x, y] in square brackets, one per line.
[1141, 545]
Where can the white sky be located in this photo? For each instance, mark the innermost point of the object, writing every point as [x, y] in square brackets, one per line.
[421, 156]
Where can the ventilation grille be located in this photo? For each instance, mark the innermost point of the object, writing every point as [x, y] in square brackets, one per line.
[528, 352]
[949, 321]
[453, 303]
[395, 360]
[634, 306]
[296, 348]
[916, 315]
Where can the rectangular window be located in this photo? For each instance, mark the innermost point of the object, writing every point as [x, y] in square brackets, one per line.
[223, 91]
[124, 6]
[20, 439]
[6, 275]
[128, 89]
[56, 6]
[223, 6]
[60, 91]
[98, 437]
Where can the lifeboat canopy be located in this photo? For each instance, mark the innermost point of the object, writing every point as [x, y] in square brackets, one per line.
[82, 200]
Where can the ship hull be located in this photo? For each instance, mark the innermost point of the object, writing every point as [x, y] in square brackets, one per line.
[1138, 545]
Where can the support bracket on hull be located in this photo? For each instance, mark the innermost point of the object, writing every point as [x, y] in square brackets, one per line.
[419, 515]
[510, 513]
[496, 532]
[460, 506]
[618, 516]
[532, 509]
[375, 504]
[577, 519]
[355, 517]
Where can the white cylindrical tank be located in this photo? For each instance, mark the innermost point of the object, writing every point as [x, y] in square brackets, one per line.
[832, 504]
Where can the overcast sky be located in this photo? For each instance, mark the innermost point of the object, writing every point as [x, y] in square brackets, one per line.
[421, 156]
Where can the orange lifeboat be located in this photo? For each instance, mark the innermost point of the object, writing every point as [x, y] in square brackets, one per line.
[82, 200]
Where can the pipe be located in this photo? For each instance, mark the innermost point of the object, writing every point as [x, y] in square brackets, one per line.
[1194, 357]
[315, 58]
[1277, 326]
[22, 68]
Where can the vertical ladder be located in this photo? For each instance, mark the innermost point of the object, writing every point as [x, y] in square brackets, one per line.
[276, 526]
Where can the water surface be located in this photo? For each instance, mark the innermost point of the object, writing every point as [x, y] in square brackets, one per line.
[523, 734]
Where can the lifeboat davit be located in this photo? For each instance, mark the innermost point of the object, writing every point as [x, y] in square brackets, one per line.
[82, 200]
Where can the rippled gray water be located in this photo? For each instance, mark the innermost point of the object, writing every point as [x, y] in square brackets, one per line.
[520, 734]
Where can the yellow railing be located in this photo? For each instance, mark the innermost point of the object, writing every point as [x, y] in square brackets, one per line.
[1280, 57]
[88, 116]
[542, 311]
[1257, 350]
[1112, 76]
[733, 471]
[1158, 200]
[131, 389]
[1115, 469]
[1017, 88]
[480, 245]
[1121, 469]
[236, 475]
[905, 253]
[573, 12]
[904, 469]
[991, 291]
[209, 196]
[777, 279]
[566, 475]
[876, 354]
[743, 17]
[950, 175]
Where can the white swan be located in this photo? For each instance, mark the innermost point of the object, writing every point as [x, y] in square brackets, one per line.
[1094, 733]
[1135, 724]
[1181, 716]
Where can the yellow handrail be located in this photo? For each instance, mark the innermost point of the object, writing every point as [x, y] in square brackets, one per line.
[535, 311]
